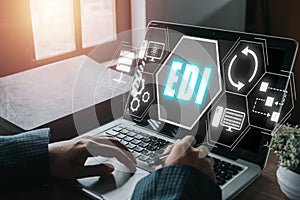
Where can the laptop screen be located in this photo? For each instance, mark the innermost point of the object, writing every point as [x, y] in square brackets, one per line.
[230, 90]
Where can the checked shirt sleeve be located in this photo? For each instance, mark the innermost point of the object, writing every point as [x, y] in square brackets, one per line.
[176, 182]
[24, 159]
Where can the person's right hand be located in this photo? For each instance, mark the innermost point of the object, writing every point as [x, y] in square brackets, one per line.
[183, 152]
[67, 158]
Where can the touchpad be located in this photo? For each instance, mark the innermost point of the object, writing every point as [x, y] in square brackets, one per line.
[119, 185]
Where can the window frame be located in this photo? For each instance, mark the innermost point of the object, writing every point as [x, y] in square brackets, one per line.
[123, 23]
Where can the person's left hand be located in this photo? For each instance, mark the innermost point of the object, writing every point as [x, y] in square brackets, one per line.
[67, 158]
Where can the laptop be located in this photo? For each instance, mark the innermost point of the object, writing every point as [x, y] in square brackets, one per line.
[231, 90]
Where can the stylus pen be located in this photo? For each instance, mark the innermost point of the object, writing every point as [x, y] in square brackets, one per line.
[158, 160]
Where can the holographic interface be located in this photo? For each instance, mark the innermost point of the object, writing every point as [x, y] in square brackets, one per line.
[231, 86]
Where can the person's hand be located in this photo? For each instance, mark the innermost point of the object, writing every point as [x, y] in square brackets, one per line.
[67, 158]
[183, 152]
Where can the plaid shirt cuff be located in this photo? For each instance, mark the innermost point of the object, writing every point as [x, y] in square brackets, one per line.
[176, 182]
[24, 159]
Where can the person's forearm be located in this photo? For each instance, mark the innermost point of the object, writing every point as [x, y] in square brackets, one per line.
[24, 159]
[176, 182]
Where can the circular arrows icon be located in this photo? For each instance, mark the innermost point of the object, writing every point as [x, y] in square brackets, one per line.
[239, 85]
[246, 51]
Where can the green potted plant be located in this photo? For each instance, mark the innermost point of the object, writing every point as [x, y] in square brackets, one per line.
[286, 145]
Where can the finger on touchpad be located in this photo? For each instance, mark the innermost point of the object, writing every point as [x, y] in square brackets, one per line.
[103, 160]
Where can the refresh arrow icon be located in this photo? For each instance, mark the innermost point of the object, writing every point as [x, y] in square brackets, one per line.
[246, 51]
[239, 85]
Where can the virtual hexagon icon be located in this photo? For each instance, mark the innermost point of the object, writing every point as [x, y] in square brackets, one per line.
[228, 120]
[244, 66]
[188, 81]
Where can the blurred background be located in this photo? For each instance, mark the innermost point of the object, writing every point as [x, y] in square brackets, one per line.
[36, 33]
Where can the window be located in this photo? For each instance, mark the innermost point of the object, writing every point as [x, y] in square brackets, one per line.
[70, 26]
[53, 27]
[97, 21]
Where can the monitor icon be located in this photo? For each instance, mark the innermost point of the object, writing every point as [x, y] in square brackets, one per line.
[155, 50]
[229, 118]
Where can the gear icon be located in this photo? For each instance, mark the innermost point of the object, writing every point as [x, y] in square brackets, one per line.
[132, 106]
[138, 91]
[146, 97]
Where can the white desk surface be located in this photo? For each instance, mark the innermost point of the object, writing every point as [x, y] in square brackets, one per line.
[38, 96]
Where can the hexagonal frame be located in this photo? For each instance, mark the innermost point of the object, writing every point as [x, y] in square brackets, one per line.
[283, 119]
[242, 134]
[229, 54]
[215, 42]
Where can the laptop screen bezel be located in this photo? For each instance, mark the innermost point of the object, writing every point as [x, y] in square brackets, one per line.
[290, 47]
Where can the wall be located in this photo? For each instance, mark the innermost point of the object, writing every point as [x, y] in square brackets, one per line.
[226, 14]
[15, 37]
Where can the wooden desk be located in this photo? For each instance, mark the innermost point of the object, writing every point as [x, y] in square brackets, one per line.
[265, 187]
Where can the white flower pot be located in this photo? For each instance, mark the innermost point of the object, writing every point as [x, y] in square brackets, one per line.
[289, 182]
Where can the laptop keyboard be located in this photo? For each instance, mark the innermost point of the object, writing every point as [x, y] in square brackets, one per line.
[145, 147]
[225, 171]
